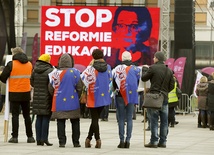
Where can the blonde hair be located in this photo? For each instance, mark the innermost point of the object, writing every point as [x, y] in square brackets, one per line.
[203, 79]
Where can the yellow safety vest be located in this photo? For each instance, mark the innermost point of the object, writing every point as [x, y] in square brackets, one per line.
[172, 95]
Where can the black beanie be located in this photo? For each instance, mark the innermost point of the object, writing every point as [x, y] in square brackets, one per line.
[160, 56]
[97, 54]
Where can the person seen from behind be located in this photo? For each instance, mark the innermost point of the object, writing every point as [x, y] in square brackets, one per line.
[18, 72]
[173, 102]
[125, 81]
[201, 92]
[96, 77]
[42, 99]
[157, 73]
[66, 87]
[2, 91]
[210, 102]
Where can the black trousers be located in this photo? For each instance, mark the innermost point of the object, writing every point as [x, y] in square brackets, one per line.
[94, 127]
[61, 126]
[15, 107]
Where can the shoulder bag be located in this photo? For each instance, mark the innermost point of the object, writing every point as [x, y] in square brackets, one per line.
[154, 100]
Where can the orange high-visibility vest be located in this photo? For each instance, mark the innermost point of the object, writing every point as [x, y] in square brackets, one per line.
[19, 80]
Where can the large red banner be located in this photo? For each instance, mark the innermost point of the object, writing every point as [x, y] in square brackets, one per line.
[79, 30]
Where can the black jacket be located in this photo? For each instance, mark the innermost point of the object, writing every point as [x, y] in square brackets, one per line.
[156, 74]
[42, 99]
[210, 97]
[15, 96]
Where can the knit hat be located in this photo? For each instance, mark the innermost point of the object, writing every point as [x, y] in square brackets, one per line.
[17, 50]
[126, 56]
[45, 57]
[160, 56]
[97, 54]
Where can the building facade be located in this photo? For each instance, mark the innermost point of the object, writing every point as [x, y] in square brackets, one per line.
[204, 16]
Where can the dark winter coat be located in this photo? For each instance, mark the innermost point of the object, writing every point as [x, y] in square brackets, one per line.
[156, 74]
[15, 96]
[201, 92]
[42, 99]
[210, 96]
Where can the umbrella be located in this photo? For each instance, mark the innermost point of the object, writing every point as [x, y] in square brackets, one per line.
[80, 67]
[208, 70]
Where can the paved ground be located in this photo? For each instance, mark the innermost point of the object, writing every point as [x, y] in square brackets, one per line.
[184, 139]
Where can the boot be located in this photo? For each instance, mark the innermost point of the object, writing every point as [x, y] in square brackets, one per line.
[46, 142]
[98, 144]
[208, 120]
[199, 120]
[203, 119]
[87, 143]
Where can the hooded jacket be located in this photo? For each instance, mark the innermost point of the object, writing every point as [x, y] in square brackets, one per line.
[97, 79]
[22, 60]
[68, 84]
[42, 99]
[125, 79]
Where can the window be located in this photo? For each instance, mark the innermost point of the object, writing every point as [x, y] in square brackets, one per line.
[151, 3]
[127, 2]
[201, 18]
[102, 2]
[79, 2]
[32, 15]
[33, 2]
[172, 17]
[54, 2]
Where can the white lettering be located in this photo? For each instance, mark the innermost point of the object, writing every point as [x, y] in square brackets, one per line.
[90, 18]
[75, 50]
[67, 13]
[54, 19]
[103, 16]
[78, 36]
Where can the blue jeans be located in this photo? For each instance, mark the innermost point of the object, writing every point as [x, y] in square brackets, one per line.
[42, 127]
[124, 113]
[154, 117]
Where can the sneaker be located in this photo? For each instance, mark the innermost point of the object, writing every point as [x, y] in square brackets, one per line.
[13, 140]
[30, 140]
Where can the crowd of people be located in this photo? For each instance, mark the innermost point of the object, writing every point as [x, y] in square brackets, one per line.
[205, 93]
[52, 100]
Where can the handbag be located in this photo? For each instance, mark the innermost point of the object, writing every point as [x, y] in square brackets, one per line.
[154, 100]
[83, 97]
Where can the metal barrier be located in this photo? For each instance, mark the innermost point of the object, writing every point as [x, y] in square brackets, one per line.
[194, 105]
[184, 104]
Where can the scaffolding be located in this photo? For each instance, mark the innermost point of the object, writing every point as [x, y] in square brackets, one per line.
[165, 24]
